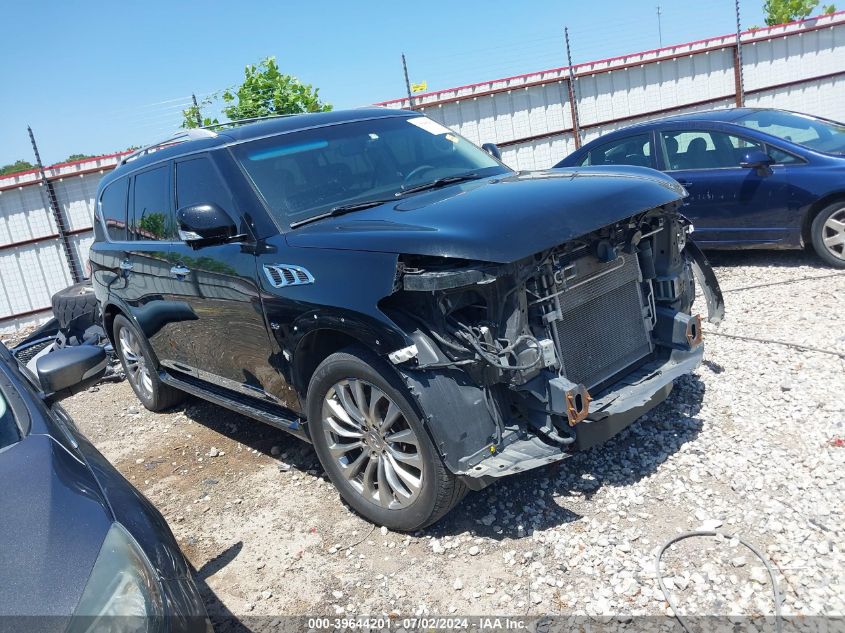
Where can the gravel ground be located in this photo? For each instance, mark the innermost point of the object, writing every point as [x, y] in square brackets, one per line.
[752, 443]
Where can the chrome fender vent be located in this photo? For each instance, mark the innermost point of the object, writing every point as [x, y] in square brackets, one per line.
[283, 275]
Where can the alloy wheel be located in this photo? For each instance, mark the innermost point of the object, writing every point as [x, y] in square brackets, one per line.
[372, 442]
[833, 234]
[136, 364]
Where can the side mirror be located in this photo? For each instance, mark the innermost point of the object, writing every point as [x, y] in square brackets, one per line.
[205, 223]
[759, 160]
[491, 149]
[71, 369]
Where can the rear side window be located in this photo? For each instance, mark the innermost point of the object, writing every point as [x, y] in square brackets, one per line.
[197, 182]
[631, 150]
[153, 216]
[113, 209]
[700, 149]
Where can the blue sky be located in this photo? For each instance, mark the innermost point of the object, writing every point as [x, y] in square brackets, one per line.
[94, 77]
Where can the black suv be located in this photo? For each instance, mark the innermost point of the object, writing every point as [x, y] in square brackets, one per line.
[374, 283]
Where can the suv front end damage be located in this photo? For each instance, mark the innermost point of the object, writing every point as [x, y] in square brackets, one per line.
[517, 365]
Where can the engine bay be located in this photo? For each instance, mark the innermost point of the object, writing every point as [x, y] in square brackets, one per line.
[545, 338]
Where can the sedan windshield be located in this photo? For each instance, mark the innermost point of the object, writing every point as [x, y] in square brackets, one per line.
[818, 134]
[303, 175]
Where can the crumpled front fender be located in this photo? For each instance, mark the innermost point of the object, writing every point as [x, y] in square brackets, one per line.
[706, 278]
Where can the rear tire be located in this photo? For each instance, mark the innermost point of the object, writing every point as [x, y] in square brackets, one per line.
[77, 305]
[141, 369]
[378, 455]
[828, 234]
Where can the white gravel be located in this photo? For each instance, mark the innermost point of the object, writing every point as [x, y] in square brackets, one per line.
[748, 445]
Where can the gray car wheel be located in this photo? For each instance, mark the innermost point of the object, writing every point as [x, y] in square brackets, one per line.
[373, 445]
[828, 234]
[141, 368]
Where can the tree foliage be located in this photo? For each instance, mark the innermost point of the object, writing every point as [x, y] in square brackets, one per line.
[192, 115]
[267, 91]
[18, 165]
[782, 11]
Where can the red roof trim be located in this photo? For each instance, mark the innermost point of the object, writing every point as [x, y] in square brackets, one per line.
[88, 160]
[34, 170]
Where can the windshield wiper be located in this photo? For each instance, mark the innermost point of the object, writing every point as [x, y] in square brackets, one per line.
[441, 182]
[341, 210]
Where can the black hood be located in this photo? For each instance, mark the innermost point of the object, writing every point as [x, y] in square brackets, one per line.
[500, 219]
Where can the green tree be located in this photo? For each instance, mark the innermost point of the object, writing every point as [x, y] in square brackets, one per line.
[267, 91]
[782, 11]
[193, 113]
[18, 165]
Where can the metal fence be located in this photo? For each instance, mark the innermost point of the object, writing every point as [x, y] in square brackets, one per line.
[35, 240]
[799, 66]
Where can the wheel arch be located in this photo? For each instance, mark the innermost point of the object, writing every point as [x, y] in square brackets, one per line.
[110, 311]
[814, 210]
[313, 348]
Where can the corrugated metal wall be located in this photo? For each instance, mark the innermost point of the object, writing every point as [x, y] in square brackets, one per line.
[33, 264]
[799, 66]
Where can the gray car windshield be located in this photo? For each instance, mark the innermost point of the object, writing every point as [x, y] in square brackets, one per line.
[306, 174]
[818, 134]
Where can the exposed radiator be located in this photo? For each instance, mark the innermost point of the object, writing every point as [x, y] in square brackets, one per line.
[602, 322]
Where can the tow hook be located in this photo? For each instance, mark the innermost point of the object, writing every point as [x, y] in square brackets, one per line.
[577, 404]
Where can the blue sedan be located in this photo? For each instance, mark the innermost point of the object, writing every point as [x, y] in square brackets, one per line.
[757, 178]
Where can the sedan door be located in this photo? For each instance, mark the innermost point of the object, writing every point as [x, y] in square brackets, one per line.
[732, 206]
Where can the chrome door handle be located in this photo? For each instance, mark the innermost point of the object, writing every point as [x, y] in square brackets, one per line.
[126, 265]
[179, 270]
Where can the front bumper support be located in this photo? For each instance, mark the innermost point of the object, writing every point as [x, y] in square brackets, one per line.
[611, 412]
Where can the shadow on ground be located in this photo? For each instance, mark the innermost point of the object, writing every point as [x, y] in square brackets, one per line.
[540, 499]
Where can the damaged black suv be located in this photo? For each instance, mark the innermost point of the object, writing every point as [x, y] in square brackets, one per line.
[374, 283]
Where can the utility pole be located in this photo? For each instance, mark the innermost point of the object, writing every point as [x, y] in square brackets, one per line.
[407, 83]
[196, 110]
[573, 100]
[659, 27]
[53, 203]
[740, 87]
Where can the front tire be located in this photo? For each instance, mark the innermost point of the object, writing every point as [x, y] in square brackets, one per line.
[140, 367]
[828, 234]
[373, 445]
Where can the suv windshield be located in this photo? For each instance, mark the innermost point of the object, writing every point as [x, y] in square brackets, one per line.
[306, 174]
[818, 134]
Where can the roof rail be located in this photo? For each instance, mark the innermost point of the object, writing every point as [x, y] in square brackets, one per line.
[192, 134]
[180, 137]
[226, 124]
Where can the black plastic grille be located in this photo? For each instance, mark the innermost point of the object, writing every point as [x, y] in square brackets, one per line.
[601, 329]
[26, 354]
